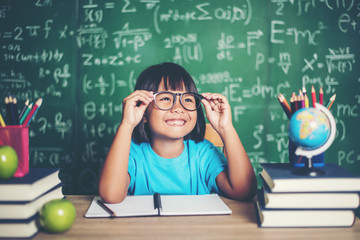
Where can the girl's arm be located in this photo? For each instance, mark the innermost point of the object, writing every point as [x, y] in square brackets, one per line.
[114, 179]
[239, 181]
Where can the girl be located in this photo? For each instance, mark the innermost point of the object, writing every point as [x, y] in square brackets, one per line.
[160, 146]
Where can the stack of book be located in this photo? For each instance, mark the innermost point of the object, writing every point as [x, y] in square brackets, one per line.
[291, 200]
[22, 198]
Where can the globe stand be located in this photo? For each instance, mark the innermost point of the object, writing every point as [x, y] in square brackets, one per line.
[309, 170]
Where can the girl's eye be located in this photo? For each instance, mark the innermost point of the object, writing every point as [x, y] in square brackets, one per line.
[189, 100]
[165, 99]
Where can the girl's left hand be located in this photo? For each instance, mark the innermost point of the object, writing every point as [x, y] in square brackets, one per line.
[218, 111]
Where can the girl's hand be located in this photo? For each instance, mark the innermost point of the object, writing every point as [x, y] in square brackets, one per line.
[218, 111]
[134, 107]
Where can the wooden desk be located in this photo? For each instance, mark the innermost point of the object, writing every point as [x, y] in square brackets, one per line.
[241, 224]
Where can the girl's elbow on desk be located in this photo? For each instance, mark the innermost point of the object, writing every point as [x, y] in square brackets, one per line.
[250, 188]
[246, 194]
[245, 191]
[109, 195]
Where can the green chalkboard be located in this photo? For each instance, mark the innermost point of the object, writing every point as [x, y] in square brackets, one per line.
[83, 58]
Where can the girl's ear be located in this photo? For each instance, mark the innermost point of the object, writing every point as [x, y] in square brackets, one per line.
[144, 119]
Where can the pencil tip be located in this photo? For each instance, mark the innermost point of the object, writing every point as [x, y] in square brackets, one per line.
[39, 101]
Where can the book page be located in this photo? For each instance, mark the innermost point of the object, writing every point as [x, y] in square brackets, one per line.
[209, 204]
[131, 206]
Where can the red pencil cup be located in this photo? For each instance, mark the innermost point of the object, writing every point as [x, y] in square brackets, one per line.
[300, 161]
[18, 138]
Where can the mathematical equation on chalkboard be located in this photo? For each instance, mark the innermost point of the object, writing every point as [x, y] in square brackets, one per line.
[83, 58]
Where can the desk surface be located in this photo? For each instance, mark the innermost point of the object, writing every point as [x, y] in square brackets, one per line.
[241, 224]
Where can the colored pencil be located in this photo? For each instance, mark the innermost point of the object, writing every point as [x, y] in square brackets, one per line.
[306, 98]
[295, 101]
[6, 120]
[321, 96]
[28, 109]
[302, 99]
[24, 109]
[12, 110]
[15, 111]
[2, 122]
[331, 101]
[32, 113]
[8, 111]
[313, 95]
[285, 105]
[285, 102]
[292, 105]
[299, 102]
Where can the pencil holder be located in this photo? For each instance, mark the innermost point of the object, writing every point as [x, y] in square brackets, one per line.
[17, 137]
[300, 161]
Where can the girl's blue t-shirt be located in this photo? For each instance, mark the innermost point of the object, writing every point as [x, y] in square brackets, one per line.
[192, 173]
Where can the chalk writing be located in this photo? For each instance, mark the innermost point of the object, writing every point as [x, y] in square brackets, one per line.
[135, 38]
[340, 60]
[83, 59]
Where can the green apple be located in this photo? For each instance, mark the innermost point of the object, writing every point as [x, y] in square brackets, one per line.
[57, 216]
[8, 162]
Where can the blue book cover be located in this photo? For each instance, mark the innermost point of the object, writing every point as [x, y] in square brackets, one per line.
[280, 177]
[31, 186]
[23, 228]
[25, 209]
[34, 175]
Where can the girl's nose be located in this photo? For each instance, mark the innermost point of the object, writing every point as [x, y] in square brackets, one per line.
[177, 106]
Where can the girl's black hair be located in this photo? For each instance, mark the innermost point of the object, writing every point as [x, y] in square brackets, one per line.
[175, 77]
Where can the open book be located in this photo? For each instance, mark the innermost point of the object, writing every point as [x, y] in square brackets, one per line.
[156, 205]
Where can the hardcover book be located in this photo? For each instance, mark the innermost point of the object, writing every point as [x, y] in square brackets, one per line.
[26, 209]
[302, 217]
[306, 200]
[280, 178]
[27, 188]
[24, 228]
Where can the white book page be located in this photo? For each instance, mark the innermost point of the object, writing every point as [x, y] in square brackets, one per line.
[131, 206]
[209, 204]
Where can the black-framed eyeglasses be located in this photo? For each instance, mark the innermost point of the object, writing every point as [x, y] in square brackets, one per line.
[166, 100]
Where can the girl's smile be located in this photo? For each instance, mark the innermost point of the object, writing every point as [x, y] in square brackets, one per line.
[176, 122]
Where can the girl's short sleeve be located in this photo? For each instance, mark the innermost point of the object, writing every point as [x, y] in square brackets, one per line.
[132, 167]
[212, 163]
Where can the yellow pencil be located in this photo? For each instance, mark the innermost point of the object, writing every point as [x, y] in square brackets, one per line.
[306, 99]
[2, 122]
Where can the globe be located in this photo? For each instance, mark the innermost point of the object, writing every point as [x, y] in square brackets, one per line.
[309, 128]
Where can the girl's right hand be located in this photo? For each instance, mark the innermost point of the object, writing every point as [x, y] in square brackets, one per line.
[134, 106]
